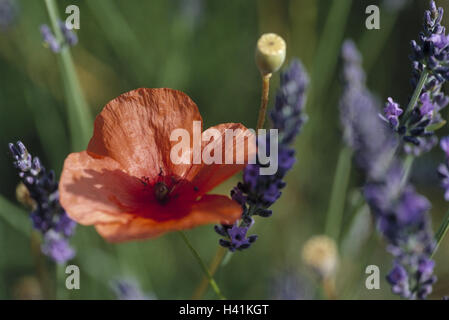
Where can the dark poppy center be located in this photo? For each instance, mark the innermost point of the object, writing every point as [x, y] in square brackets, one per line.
[161, 192]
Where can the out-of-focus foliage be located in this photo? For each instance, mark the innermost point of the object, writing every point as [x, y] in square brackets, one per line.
[206, 49]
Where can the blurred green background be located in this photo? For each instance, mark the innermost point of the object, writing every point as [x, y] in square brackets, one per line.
[206, 49]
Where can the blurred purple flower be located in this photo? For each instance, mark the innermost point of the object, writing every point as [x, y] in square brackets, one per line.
[57, 247]
[363, 131]
[69, 37]
[129, 290]
[48, 216]
[398, 278]
[444, 143]
[49, 39]
[400, 213]
[8, 14]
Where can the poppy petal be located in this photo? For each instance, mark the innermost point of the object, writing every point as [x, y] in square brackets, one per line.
[96, 190]
[242, 146]
[209, 209]
[134, 129]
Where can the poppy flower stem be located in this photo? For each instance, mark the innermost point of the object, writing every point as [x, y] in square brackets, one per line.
[80, 118]
[195, 253]
[216, 262]
[264, 100]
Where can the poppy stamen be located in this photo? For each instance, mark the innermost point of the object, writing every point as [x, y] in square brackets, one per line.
[161, 192]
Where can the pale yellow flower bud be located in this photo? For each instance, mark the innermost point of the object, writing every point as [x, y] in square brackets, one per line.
[321, 254]
[23, 196]
[270, 53]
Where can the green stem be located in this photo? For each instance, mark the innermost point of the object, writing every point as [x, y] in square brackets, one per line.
[212, 282]
[80, 118]
[441, 233]
[326, 58]
[338, 194]
[15, 216]
[61, 290]
[408, 164]
[416, 94]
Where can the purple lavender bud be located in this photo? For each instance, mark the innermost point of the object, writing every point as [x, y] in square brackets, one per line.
[443, 168]
[128, 290]
[443, 171]
[57, 247]
[411, 207]
[427, 105]
[221, 230]
[8, 14]
[444, 144]
[425, 267]
[440, 41]
[65, 225]
[49, 39]
[398, 278]
[70, 37]
[419, 145]
[238, 239]
[392, 112]
[288, 115]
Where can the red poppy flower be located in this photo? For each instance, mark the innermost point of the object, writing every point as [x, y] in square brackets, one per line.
[125, 182]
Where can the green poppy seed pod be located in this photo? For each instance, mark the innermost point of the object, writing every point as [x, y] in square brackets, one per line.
[270, 53]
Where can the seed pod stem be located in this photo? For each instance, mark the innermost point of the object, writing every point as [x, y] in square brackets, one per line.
[264, 100]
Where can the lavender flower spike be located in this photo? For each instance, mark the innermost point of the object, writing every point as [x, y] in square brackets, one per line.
[363, 131]
[430, 61]
[50, 40]
[400, 213]
[258, 192]
[47, 216]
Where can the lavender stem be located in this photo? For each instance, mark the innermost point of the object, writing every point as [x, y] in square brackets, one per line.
[416, 94]
[408, 164]
[442, 230]
[338, 194]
